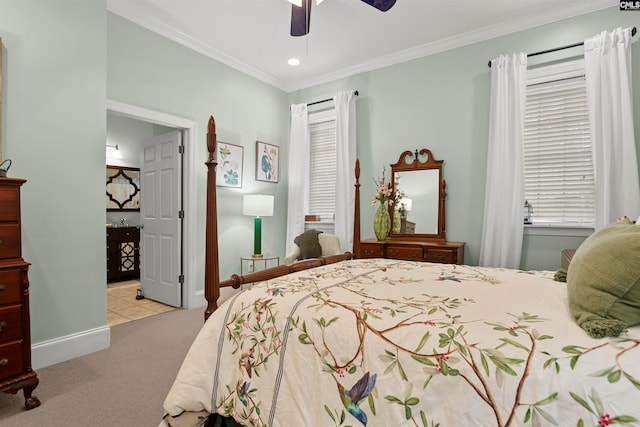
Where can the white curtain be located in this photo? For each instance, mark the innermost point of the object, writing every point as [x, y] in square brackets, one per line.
[610, 98]
[345, 103]
[502, 226]
[299, 141]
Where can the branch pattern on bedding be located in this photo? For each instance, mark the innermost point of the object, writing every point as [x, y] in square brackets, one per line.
[397, 343]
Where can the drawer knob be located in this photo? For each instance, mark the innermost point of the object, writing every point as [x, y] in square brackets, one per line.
[4, 361]
[3, 287]
[3, 325]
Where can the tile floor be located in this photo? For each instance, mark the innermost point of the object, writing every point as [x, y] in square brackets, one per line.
[122, 305]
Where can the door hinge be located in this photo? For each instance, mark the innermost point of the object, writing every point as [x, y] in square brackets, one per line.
[181, 149]
[181, 279]
[181, 214]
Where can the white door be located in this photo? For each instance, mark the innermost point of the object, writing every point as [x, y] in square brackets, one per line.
[160, 236]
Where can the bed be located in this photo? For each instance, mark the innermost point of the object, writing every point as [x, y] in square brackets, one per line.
[345, 341]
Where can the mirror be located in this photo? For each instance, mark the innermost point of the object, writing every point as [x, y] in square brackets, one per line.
[420, 214]
[123, 188]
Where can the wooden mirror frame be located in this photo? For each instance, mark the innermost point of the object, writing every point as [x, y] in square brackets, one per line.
[405, 165]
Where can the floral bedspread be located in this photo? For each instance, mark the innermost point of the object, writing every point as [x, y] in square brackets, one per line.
[396, 343]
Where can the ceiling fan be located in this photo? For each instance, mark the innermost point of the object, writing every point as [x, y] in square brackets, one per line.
[301, 13]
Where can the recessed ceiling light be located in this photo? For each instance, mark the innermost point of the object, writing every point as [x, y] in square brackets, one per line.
[294, 61]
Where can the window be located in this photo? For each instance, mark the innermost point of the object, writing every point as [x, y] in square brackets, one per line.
[322, 168]
[558, 167]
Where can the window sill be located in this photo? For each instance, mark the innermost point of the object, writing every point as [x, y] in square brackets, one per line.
[324, 226]
[550, 230]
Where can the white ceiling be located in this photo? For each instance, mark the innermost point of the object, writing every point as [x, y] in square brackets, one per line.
[346, 36]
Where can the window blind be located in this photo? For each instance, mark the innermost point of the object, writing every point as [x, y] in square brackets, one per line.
[322, 170]
[558, 168]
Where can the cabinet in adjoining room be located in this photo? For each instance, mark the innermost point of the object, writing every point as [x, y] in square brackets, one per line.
[123, 253]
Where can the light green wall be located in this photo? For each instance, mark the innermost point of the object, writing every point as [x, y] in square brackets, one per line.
[63, 59]
[53, 107]
[150, 71]
[442, 102]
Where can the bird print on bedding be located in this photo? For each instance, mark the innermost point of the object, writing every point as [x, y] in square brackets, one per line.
[351, 398]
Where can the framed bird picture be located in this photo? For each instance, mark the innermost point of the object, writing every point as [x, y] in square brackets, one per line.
[267, 159]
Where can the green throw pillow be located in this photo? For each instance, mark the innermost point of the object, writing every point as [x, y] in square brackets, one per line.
[309, 244]
[603, 280]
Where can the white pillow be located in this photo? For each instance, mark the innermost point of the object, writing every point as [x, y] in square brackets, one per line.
[330, 244]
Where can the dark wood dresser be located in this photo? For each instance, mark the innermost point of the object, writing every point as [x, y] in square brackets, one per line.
[424, 238]
[15, 327]
[413, 250]
[123, 253]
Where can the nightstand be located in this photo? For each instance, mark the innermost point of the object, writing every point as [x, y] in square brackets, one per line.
[257, 264]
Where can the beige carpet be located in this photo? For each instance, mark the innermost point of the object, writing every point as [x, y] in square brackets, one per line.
[122, 386]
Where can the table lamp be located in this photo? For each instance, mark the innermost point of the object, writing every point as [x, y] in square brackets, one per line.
[257, 205]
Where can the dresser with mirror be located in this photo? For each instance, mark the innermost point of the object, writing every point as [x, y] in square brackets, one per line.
[420, 233]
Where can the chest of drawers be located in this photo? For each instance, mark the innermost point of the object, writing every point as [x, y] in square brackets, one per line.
[15, 330]
[413, 250]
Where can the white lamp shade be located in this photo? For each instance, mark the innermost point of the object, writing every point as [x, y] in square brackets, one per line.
[407, 203]
[257, 205]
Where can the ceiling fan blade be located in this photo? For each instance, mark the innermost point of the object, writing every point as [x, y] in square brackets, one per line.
[301, 18]
[382, 5]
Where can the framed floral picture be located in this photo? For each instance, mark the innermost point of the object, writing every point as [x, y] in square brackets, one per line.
[229, 173]
[267, 159]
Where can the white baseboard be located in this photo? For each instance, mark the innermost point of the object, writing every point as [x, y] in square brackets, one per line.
[197, 300]
[47, 353]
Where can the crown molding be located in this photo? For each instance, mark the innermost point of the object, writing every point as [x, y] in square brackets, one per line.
[136, 14]
[460, 40]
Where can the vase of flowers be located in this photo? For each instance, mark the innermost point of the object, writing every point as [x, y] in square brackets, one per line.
[387, 198]
[381, 222]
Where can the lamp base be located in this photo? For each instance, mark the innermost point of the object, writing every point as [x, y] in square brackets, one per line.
[257, 256]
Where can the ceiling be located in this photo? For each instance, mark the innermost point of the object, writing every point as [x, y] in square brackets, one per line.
[346, 36]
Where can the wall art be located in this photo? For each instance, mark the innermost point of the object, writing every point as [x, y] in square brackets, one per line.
[267, 160]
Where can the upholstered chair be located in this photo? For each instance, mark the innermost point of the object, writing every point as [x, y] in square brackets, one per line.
[313, 244]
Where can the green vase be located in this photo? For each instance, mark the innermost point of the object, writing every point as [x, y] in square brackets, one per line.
[396, 221]
[381, 222]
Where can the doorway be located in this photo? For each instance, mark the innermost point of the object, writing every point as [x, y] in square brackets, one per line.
[123, 304]
[190, 298]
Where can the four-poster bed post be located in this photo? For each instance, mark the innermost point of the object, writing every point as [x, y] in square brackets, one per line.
[211, 269]
[356, 213]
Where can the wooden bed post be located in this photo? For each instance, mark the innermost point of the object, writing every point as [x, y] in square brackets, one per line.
[211, 269]
[356, 213]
